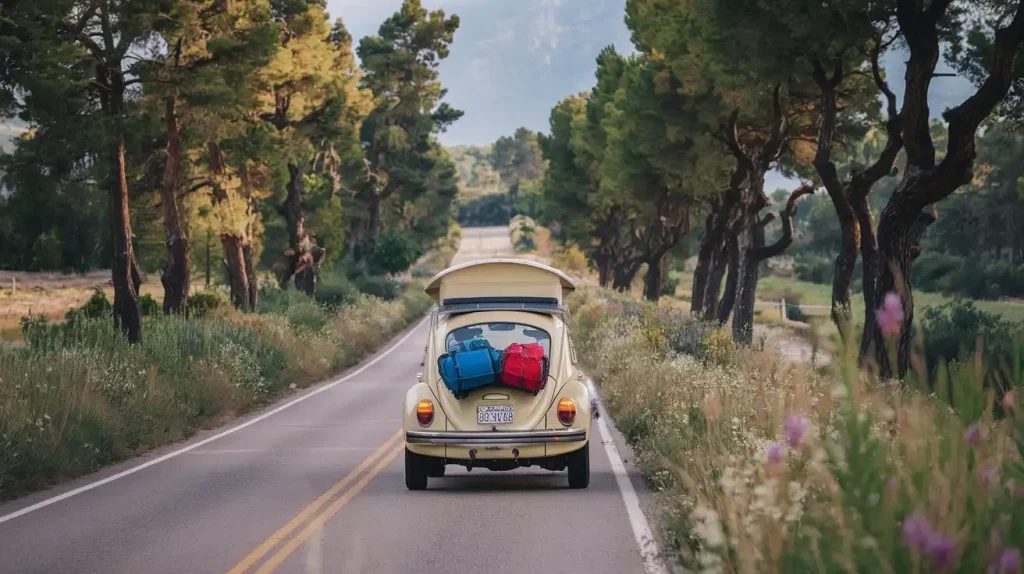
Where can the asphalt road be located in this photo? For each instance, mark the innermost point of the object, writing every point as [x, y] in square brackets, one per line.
[315, 483]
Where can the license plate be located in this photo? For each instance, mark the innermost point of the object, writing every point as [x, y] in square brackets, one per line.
[495, 414]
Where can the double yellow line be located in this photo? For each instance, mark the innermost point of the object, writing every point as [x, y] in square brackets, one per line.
[316, 514]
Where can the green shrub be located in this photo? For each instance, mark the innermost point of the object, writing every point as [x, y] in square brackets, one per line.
[957, 330]
[396, 250]
[378, 286]
[203, 303]
[306, 315]
[96, 307]
[47, 252]
[334, 290]
[814, 268]
[148, 306]
[795, 313]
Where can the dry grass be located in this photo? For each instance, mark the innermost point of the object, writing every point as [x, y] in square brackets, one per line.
[739, 494]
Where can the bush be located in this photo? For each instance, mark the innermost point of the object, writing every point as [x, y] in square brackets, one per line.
[395, 252]
[380, 287]
[98, 306]
[795, 313]
[955, 331]
[148, 306]
[814, 268]
[570, 259]
[306, 315]
[718, 348]
[334, 290]
[204, 303]
[47, 252]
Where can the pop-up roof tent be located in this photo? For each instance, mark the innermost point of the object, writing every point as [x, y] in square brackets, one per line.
[506, 283]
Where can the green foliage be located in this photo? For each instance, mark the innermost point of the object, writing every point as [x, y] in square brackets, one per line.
[96, 307]
[396, 251]
[334, 289]
[149, 306]
[203, 303]
[486, 210]
[959, 330]
[378, 286]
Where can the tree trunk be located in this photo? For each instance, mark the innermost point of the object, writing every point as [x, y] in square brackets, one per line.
[749, 265]
[237, 270]
[293, 208]
[725, 306]
[604, 271]
[654, 277]
[253, 290]
[703, 269]
[176, 273]
[846, 260]
[624, 274]
[124, 270]
[899, 241]
[372, 225]
[713, 289]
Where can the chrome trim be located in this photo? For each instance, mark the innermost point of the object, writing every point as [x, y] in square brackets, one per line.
[498, 438]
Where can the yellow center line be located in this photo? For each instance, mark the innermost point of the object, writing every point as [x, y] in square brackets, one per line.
[283, 532]
[317, 524]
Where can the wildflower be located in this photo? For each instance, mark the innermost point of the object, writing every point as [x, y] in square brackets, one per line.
[795, 430]
[941, 550]
[890, 315]
[916, 531]
[893, 485]
[990, 477]
[773, 454]
[1007, 562]
[972, 435]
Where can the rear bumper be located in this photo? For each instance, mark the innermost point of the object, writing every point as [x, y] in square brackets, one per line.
[496, 438]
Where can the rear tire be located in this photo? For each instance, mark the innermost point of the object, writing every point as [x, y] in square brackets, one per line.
[415, 471]
[579, 467]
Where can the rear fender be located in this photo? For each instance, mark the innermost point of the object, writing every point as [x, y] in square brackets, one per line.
[578, 391]
[413, 396]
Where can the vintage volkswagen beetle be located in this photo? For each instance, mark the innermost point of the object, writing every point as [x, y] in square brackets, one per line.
[498, 427]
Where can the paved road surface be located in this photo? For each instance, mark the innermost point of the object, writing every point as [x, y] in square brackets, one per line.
[317, 486]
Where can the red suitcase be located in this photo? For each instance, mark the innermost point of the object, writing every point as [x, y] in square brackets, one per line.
[524, 366]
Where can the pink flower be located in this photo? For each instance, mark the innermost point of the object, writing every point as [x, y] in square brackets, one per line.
[890, 315]
[795, 430]
[917, 531]
[773, 454]
[990, 477]
[893, 485]
[1006, 562]
[1009, 400]
[972, 435]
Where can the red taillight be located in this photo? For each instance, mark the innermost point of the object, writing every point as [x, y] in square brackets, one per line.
[424, 412]
[566, 411]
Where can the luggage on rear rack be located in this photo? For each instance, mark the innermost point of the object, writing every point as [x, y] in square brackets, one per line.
[469, 365]
[524, 366]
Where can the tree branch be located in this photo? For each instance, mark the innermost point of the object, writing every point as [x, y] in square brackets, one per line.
[783, 243]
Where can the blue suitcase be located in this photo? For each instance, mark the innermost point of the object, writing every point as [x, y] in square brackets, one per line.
[464, 370]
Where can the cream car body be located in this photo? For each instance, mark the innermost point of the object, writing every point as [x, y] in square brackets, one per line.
[491, 292]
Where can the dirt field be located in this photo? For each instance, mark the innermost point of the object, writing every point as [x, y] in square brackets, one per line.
[52, 294]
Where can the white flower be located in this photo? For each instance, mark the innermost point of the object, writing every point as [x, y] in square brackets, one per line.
[707, 526]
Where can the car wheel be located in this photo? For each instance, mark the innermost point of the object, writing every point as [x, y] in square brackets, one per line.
[415, 471]
[579, 467]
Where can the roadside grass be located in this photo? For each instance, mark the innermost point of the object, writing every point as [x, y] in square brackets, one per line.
[77, 396]
[765, 465]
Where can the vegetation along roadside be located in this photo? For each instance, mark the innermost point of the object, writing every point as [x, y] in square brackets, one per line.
[764, 465]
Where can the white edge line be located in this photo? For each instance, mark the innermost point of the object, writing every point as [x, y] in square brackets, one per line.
[641, 528]
[232, 430]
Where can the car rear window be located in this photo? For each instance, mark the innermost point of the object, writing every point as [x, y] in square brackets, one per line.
[499, 336]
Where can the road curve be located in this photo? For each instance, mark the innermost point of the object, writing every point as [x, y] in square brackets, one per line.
[315, 484]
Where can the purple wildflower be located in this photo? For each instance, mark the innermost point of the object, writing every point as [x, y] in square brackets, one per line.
[795, 430]
[941, 550]
[917, 531]
[972, 435]
[890, 315]
[990, 477]
[1009, 562]
[773, 454]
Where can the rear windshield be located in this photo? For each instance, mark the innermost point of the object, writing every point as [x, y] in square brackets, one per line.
[499, 336]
